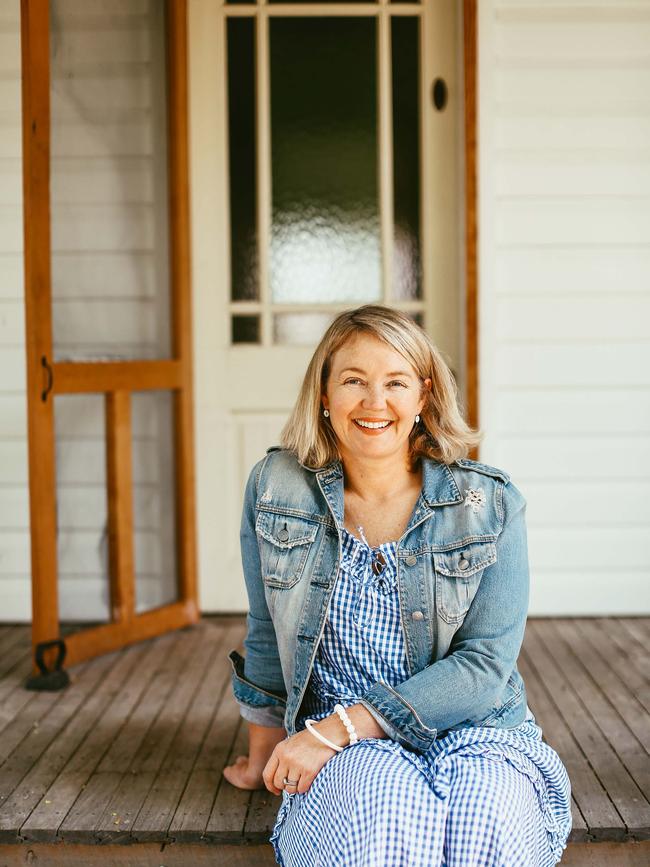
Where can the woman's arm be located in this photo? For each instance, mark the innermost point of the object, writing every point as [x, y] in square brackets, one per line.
[468, 682]
[257, 681]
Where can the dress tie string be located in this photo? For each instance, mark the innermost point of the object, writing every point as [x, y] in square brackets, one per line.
[373, 574]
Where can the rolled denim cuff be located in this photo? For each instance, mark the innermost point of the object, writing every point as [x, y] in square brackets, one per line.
[251, 694]
[390, 730]
[272, 717]
[409, 730]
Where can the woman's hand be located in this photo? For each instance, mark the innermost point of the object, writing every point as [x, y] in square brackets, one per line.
[299, 758]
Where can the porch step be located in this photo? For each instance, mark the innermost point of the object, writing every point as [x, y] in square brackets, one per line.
[133, 751]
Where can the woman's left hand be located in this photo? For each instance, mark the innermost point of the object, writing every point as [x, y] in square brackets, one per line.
[300, 758]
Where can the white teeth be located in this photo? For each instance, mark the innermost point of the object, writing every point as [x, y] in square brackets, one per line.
[372, 424]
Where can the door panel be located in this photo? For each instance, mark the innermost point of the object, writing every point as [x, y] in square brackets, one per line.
[332, 181]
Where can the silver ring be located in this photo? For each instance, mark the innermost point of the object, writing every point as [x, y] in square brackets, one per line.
[287, 782]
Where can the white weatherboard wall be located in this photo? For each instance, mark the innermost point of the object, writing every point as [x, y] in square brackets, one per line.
[15, 596]
[564, 259]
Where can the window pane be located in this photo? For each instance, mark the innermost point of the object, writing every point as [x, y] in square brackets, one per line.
[407, 269]
[325, 242]
[110, 280]
[300, 329]
[245, 329]
[242, 148]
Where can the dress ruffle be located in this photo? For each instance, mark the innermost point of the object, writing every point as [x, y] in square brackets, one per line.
[357, 561]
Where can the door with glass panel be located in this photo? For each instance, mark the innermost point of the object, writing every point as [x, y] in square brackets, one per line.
[340, 180]
[107, 313]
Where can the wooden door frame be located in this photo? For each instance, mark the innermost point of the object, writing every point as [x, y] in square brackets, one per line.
[470, 54]
[116, 380]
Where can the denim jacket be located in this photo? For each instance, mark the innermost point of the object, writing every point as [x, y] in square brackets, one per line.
[463, 584]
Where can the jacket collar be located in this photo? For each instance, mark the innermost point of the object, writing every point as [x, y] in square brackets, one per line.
[439, 486]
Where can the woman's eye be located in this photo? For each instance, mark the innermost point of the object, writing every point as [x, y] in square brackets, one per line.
[394, 382]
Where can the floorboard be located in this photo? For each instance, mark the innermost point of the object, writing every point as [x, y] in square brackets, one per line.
[133, 751]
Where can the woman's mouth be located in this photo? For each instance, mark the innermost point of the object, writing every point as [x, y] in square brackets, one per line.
[372, 427]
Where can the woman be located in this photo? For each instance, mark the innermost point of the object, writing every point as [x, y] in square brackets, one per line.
[387, 578]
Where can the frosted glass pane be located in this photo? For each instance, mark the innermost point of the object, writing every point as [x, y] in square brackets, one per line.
[81, 508]
[325, 242]
[154, 499]
[300, 329]
[242, 160]
[110, 280]
[407, 267]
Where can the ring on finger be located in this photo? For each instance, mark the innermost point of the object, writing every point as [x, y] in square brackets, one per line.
[287, 782]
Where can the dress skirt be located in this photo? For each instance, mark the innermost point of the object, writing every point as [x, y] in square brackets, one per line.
[478, 797]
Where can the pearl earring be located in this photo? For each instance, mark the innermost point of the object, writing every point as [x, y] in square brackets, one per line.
[417, 419]
[326, 413]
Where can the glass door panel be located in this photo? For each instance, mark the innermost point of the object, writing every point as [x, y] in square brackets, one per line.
[325, 150]
[242, 130]
[325, 231]
[407, 264]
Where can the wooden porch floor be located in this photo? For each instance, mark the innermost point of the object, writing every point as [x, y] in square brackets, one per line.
[132, 751]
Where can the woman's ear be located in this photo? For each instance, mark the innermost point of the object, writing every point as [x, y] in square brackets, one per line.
[427, 385]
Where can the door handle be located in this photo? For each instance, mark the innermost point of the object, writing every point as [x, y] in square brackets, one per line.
[50, 378]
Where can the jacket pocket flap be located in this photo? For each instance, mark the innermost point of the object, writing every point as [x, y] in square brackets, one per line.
[465, 560]
[285, 531]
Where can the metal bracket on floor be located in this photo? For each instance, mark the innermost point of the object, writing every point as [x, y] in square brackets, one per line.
[49, 679]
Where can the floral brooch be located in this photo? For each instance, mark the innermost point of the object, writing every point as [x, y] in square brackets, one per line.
[475, 499]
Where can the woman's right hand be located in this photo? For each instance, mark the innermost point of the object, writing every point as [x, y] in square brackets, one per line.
[243, 774]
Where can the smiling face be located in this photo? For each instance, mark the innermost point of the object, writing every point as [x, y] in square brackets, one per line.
[371, 382]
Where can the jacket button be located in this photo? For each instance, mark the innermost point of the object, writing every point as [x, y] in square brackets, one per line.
[283, 535]
[411, 560]
[463, 564]
[417, 615]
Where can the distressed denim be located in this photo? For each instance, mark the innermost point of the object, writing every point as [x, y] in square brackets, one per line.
[463, 584]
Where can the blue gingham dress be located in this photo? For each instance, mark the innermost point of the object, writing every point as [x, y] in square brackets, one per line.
[478, 797]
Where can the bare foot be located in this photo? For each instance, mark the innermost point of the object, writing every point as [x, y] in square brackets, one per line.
[241, 775]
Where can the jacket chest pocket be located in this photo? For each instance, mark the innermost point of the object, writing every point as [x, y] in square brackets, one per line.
[458, 574]
[285, 543]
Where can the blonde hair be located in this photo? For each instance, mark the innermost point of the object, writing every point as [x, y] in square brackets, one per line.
[441, 434]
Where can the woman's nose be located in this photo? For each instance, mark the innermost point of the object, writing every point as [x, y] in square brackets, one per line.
[374, 397]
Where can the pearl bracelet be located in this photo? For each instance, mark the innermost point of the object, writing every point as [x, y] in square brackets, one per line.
[347, 722]
[309, 726]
